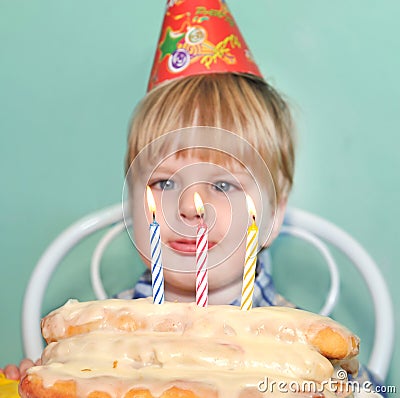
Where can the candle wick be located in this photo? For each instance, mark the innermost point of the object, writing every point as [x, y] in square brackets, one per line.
[154, 216]
[254, 218]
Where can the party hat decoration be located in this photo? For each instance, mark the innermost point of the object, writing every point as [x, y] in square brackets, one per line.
[198, 37]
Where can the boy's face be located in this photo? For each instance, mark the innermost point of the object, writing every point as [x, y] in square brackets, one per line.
[222, 188]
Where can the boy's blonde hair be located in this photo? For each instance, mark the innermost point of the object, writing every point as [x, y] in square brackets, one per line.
[242, 104]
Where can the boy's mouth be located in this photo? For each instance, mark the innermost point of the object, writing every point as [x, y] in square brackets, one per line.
[186, 246]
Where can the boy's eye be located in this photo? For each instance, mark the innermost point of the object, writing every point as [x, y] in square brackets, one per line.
[223, 186]
[164, 185]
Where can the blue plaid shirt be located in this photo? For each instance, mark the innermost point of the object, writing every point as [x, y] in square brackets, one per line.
[264, 290]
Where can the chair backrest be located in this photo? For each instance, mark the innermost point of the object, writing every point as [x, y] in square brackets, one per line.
[298, 223]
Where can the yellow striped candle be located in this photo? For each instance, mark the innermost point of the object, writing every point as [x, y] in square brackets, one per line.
[250, 259]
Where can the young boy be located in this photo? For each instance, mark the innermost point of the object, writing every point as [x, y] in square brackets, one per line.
[257, 159]
[203, 75]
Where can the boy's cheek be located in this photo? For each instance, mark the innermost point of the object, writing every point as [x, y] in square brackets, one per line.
[142, 245]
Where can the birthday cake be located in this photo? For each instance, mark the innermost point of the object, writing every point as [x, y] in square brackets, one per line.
[135, 349]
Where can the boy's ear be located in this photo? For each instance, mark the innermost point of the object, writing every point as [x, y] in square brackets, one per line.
[280, 215]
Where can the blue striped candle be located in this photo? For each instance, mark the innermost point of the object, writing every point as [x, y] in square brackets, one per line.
[157, 277]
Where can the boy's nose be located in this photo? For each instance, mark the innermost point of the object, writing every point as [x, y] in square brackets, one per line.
[187, 208]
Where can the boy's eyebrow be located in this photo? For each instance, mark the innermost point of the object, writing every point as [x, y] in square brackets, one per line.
[171, 171]
[245, 172]
[233, 172]
[222, 169]
[164, 169]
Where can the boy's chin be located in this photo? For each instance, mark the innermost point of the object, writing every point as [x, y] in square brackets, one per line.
[184, 261]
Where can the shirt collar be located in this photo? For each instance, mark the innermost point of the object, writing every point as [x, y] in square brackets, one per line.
[264, 289]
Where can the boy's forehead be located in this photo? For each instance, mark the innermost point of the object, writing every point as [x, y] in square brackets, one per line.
[197, 164]
[207, 153]
[207, 144]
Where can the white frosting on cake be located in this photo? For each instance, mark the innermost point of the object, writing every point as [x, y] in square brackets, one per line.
[138, 344]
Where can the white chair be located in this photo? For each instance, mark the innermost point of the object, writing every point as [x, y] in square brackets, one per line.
[298, 223]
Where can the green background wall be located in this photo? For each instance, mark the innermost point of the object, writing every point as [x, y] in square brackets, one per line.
[72, 71]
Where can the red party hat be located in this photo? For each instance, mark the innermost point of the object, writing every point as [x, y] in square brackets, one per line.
[198, 37]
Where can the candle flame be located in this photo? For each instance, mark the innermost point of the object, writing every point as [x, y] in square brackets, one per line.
[199, 204]
[251, 207]
[150, 200]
